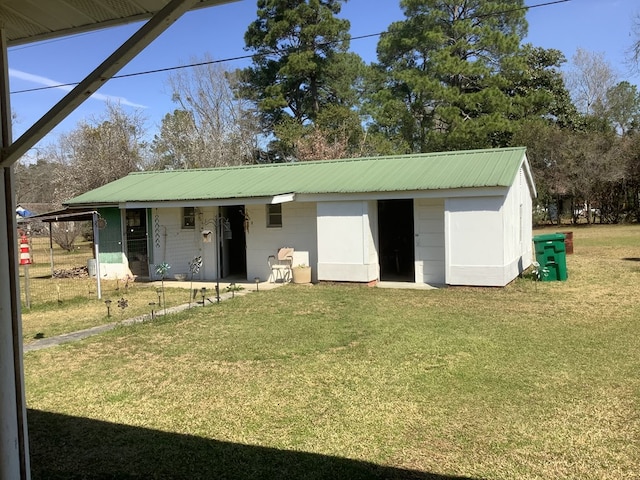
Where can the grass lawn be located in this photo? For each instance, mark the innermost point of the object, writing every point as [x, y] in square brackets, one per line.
[64, 305]
[48, 319]
[533, 381]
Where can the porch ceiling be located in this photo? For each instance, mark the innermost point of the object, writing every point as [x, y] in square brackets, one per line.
[27, 21]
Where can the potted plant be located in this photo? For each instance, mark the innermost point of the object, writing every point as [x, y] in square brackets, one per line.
[301, 273]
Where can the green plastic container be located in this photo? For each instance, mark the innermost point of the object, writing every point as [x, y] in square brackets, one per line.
[551, 254]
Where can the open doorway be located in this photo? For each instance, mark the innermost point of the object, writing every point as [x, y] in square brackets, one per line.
[234, 246]
[395, 240]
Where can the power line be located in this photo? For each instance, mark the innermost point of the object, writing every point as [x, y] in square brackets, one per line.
[547, 4]
[244, 57]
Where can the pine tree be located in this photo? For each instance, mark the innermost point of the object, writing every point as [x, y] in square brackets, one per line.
[301, 66]
[440, 73]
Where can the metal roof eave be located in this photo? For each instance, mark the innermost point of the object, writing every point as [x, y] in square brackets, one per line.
[221, 202]
[65, 215]
[529, 176]
[489, 191]
[24, 37]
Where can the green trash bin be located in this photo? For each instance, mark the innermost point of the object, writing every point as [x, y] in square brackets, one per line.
[552, 256]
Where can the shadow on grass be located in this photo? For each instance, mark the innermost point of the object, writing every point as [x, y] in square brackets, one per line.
[632, 259]
[73, 448]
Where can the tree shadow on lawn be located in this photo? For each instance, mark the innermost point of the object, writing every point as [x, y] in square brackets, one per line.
[74, 448]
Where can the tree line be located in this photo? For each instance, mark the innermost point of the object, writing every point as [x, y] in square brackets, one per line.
[451, 75]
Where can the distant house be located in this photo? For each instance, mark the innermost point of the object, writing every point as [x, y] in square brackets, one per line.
[453, 218]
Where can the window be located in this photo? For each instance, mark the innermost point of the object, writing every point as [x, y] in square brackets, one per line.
[133, 218]
[189, 217]
[274, 216]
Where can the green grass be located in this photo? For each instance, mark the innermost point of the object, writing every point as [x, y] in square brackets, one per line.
[530, 381]
[48, 319]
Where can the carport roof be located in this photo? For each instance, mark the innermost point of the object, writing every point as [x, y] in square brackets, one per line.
[429, 171]
[34, 20]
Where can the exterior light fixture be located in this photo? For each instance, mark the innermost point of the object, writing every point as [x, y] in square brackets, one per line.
[203, 292]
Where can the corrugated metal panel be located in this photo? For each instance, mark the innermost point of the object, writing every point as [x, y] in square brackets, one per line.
[432, 171]
[34, 20]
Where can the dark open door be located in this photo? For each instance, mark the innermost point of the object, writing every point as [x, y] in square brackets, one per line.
[234, 249]
[396, 233]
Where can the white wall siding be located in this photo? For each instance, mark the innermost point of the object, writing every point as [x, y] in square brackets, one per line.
[298, 231]
[205, 221]
[113, 271]
[429, 241]
[472, 237]
[526, 221]
[346, 241]
[517, 228]
[474, 241]
[372, 234]
[178, 246]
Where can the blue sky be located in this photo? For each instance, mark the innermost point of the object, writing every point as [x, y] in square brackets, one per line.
[594, 25]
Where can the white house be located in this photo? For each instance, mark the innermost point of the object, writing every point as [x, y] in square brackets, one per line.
[452, 218]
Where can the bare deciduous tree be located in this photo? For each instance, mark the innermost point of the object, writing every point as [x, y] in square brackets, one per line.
[33, 181]
[589, 79]
[95, 153]
[98, 152]
[177, 144]
[212, 127]
[634, 50]
[64, 234]
[320, 145]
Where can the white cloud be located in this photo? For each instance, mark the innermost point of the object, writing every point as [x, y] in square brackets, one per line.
[47, 82]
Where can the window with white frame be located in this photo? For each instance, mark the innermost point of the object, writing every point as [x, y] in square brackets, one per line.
[274, 215]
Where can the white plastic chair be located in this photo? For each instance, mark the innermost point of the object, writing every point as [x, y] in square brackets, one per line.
[281, 265]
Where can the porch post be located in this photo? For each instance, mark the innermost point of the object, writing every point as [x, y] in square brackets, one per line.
[96, 251]
[14, 452]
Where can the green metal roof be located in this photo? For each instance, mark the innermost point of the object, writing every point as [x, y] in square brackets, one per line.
[428, 171]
